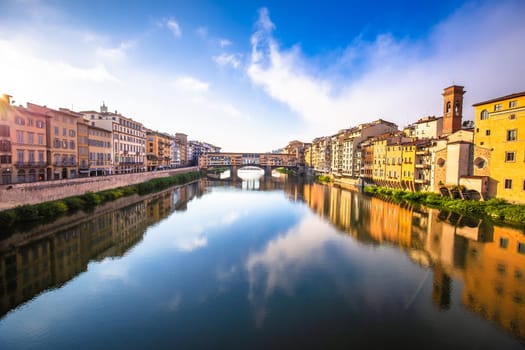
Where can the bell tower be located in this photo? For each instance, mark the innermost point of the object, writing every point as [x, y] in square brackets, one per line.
[452, 108]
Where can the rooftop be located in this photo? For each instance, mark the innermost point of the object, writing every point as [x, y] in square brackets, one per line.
[515, 95]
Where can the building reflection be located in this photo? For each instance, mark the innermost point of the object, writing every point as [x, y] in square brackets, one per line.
[50, 255]
[490, 260]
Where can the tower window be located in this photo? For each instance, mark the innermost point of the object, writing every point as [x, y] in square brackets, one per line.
[456, 107]
[448, 107]
[512, 135]
[484, 115]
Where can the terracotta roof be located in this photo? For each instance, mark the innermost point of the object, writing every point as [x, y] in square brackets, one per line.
[518, 94]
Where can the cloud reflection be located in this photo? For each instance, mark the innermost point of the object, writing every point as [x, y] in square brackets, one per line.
[283, 260]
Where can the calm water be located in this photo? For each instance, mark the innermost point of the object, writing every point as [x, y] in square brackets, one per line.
[262, 265]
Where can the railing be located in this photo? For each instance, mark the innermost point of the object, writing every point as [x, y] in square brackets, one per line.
[30, 164]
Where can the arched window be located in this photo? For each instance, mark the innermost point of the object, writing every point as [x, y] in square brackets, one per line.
[484, 115]
[456, 107]
[21, 176]
[6, 177]
[448, 107]
[480, 163]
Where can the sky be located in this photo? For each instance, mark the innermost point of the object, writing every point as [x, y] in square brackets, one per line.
[250, 76]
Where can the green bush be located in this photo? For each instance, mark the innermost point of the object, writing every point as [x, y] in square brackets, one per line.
[74, 203]
[53, 209]
[91, 199]
[26, 212]
[7, 218]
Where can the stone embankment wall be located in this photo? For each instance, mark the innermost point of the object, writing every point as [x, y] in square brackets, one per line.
[38, 192]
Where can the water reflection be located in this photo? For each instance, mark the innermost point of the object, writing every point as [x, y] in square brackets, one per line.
[48, 256]
[262, 250]
[490, 260]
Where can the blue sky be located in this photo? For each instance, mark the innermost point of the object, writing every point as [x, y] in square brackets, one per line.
[253, 75]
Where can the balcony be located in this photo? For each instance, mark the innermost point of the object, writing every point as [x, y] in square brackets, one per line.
[422, 181]
[423, 166]
[31, 164]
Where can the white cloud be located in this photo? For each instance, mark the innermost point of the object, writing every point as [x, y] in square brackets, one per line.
[225, 59]
[174, 27]
[190, 84]
[114, 53]
[224, 42]
[202, 32]
[401, 80]
[195, 243]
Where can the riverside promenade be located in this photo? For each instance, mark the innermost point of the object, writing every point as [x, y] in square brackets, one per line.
[13, 195]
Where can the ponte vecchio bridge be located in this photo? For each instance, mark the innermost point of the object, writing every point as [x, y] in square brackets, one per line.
[234, 161]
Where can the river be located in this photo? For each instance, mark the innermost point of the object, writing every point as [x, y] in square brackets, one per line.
[262, 264]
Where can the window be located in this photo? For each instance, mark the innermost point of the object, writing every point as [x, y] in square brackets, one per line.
[497, 107]
[56, 130]
[508, 184]
[510, 156]
[521, 248]
[41, 157]
[20, 155]
[484, 115]
[487, 132]
[31, 156]
[64, 132]
[513, 104]
[512, 134]
[40, 139]
[448, 107]
[523, 185]
[40, 124]
[72, 133]
[19, 136]
[503, 242]
[19, 121]
[30, 138]
[512, 116]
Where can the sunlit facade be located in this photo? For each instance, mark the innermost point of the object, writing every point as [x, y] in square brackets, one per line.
[500, 128]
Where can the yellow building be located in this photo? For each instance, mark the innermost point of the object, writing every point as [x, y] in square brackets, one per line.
[500, 128]
[408, 166]
[158, 150]
[394, 156]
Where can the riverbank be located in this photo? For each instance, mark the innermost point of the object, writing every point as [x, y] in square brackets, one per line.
[495, 210]
[51, 210]
[13, 195]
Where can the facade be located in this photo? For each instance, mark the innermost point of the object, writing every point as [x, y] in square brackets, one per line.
[500, 129]
[129, 140]
[322, 154]
[24, 145]
[297, 149]
[83, 147]
[6, 154]
[181, 145]
[158, 150]
[197, 148]
[100, 149]
[425, 128]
